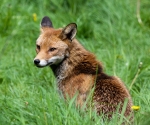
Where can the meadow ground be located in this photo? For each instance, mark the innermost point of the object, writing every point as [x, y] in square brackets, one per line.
[110, 29]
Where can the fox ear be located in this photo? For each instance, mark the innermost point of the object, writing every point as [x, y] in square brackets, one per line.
[69, 32]
[46, 22]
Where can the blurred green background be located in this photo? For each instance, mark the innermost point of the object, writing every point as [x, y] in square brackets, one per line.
[116, 31]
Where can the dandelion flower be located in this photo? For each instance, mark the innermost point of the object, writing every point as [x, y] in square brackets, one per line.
[135, 107]
[34, 17]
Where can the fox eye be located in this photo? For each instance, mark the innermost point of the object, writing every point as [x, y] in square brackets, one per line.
[52, 49]
[38, 47]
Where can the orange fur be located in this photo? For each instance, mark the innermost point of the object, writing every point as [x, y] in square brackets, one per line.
[78, 71]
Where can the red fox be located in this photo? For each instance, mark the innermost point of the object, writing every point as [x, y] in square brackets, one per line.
[78, 71]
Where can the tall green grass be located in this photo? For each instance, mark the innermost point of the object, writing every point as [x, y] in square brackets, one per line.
[109, 29]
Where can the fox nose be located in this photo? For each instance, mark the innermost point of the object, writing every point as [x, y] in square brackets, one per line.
[36, 61]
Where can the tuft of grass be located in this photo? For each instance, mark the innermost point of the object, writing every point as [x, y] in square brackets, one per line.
[109, 29]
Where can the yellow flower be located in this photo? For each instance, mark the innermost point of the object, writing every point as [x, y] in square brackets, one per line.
[34, 17]
[135, 107]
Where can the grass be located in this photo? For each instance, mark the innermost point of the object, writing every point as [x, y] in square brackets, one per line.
[110, 29]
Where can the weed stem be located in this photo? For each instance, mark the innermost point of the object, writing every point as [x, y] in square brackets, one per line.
[136, 75]
[138, 12]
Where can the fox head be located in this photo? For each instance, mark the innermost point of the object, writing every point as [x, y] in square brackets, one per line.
[52, 46]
